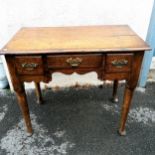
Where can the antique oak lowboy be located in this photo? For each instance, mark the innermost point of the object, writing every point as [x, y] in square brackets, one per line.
[113, 52]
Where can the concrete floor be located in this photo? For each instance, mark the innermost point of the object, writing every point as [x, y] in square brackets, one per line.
[78, 121]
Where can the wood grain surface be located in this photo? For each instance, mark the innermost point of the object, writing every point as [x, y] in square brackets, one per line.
[74, 39]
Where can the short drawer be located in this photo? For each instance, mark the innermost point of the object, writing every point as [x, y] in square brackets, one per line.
[74, 61]
[118, 62]
[29, 65]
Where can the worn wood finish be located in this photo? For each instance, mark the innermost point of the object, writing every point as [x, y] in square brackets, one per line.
[38, 93]
[75, 39]
[113, 52]
[114, 95]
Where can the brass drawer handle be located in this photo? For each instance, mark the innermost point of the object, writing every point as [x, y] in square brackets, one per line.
[29, 66]
[74, 62]
[119, 63]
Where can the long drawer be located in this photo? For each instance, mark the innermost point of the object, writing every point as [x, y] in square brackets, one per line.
[75, 61]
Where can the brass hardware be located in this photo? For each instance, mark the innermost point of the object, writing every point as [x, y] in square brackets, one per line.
[119, 63]
[74, 62]
[29, 66]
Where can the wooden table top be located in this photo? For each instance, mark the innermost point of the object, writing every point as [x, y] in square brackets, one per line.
[74, 39]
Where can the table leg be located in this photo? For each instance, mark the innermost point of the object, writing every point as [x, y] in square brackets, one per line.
[20, 93]
[114, 95]
[22, 101]
[125, 109]
[38, 93]
[129, 90]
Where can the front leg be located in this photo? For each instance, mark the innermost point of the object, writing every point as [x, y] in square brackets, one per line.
[20, 92]
[125, 109]
[129, 90]
[22, 102]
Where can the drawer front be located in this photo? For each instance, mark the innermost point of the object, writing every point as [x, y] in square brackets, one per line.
[118, 62]
[29, 65]
[75, 61]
